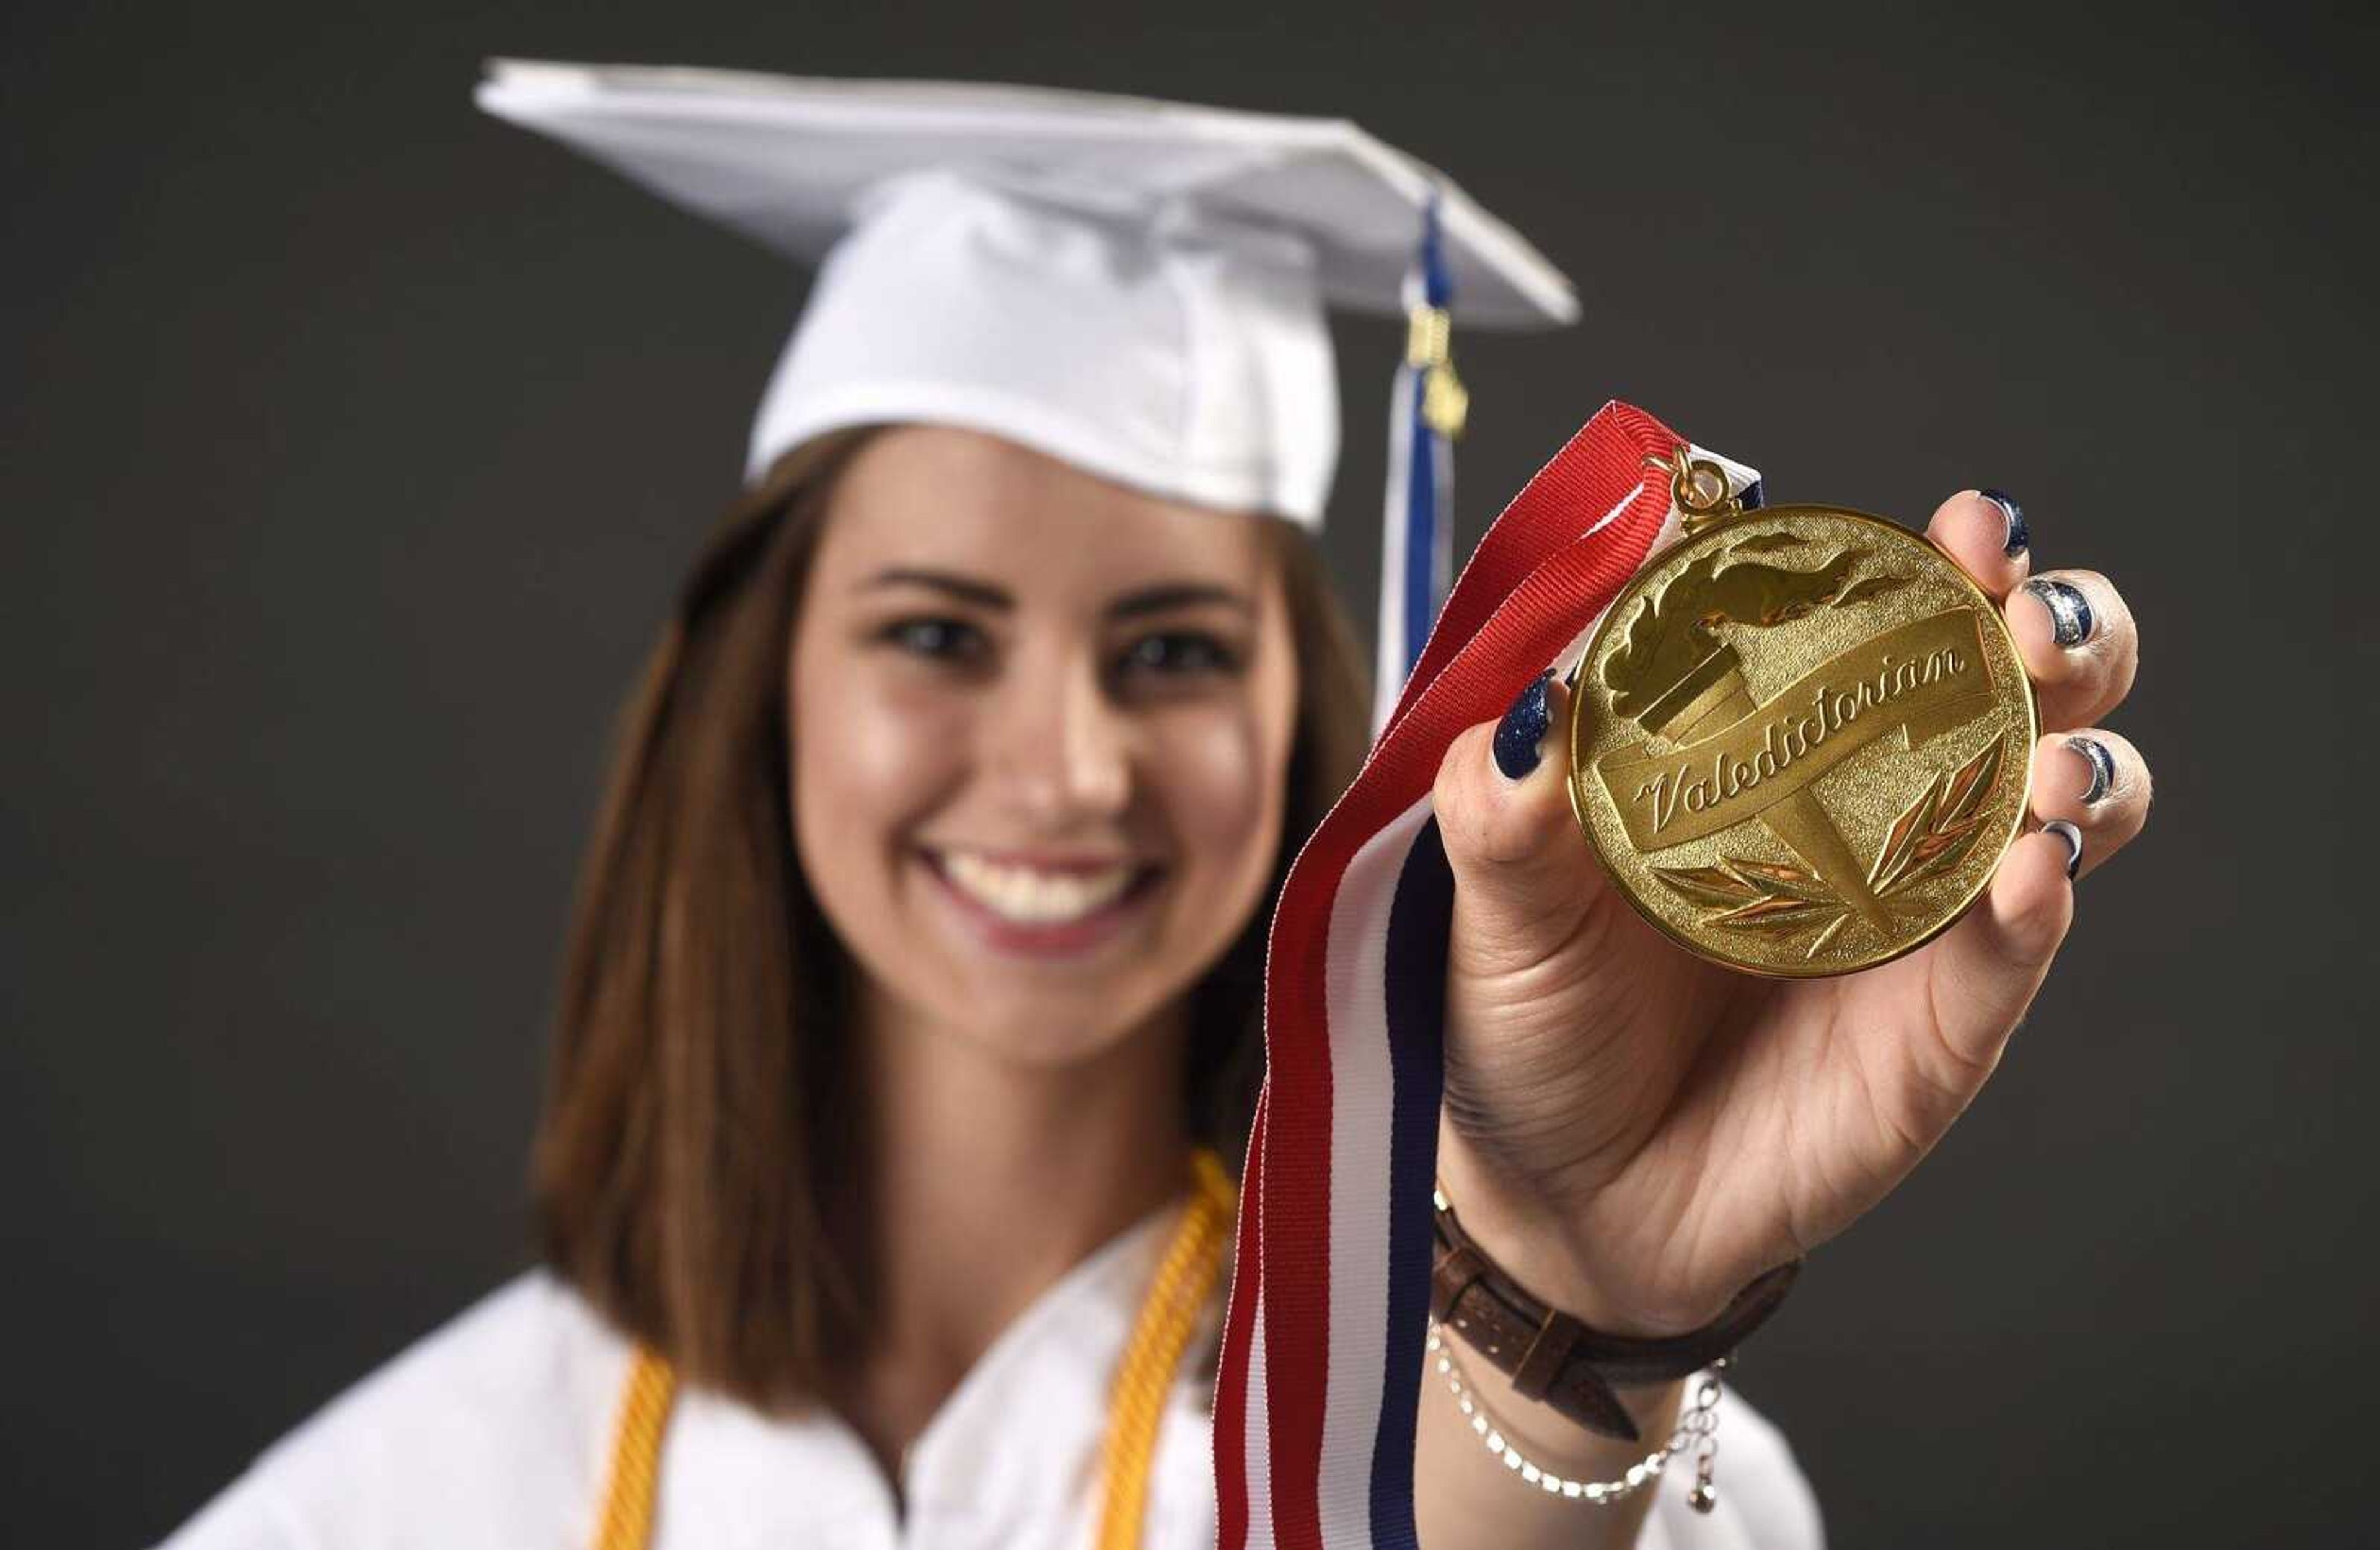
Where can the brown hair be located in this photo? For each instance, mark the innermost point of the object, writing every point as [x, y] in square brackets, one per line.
[687, 1163]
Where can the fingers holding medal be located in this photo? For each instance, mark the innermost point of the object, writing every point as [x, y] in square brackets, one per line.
[2079, 643]
[2081, 649]
[1987, 533]
[2094, 780]
[2072, 627]
[1805, 737]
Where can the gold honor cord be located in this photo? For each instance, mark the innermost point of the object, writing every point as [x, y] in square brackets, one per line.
[628, 1520]
[1169, 1316]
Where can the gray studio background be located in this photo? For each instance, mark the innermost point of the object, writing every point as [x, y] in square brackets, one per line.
[352, 445]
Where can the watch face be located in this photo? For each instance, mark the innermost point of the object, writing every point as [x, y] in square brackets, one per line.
[1801, 741]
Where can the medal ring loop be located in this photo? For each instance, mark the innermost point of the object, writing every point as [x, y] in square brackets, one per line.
[1697, 487]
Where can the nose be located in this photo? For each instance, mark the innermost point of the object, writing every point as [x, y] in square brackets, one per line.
[1063, 749]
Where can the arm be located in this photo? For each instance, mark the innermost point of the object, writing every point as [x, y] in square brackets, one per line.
[1464, 1495]
[1634, 1134]
[1493, 1467]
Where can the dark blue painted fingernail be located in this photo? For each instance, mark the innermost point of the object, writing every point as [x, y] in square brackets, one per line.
[2070, 620]
[2103, 768]
[2073, 838]
[1523, 728]
[2019, 536]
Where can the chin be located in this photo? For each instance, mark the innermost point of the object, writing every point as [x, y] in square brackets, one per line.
[1036, 1029]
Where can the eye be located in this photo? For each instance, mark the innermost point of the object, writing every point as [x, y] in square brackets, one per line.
[1178, 654]
[936, 639]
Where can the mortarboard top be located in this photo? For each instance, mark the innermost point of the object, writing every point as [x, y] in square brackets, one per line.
[1133, 286]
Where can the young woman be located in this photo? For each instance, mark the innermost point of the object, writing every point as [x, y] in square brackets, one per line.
[911, 1022]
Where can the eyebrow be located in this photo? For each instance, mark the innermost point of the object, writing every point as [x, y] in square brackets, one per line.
[1149, 600]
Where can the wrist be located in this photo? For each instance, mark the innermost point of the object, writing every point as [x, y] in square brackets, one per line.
[1555, 1352]
[1535, 1238]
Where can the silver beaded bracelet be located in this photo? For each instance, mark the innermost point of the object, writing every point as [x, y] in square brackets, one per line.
[1696, 1435]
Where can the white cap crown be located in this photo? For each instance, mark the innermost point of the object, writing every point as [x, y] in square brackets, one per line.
[1137, 288]
[1180, 354]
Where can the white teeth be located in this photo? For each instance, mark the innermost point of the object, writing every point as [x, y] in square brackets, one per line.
[1031, 897]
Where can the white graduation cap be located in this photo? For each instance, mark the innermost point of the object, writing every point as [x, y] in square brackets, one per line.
[1134, 286]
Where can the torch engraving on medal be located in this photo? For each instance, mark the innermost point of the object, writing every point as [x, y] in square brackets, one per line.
[1715, 756]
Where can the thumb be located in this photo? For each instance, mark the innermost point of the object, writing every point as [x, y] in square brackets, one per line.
[1523, 877]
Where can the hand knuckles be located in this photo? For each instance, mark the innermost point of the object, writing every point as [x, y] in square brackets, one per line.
[1449, 790]
[2133, 783]
[1504, 843]
[1968, 506]
[2114, 616]
[1482, 834]
[1483, 820]
[2127, 794]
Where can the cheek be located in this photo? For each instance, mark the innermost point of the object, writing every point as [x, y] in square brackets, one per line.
[1222, 784]
[1214, 781]
[866, 764]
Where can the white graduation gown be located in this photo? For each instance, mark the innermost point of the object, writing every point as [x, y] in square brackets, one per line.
[494, 1433]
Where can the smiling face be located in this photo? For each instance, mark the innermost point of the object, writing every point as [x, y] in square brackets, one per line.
[1041, 729]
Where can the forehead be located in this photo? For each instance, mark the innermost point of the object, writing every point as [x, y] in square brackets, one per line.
[938, 498]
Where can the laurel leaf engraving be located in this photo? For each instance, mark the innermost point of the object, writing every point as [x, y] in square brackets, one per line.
[1791, 881]
[1903, 837]
[1943, 853]
[1938, 831]
[1973, 782]
[1755, 895]
[1776, 911]
[1707, 884]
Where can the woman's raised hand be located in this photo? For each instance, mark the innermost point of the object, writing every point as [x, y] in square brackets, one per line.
[1634, 1133]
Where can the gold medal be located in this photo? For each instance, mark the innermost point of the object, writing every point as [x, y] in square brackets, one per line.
[1802, 739]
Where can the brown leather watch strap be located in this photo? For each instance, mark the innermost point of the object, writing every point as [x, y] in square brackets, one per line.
[1553, 1358]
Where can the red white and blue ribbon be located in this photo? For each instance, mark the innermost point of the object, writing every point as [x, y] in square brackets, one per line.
[1322, 1353]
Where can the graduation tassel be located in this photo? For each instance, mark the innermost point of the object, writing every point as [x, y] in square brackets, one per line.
[1427, 410]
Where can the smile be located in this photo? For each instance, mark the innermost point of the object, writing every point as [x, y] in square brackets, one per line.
[1026, 894]
[1044, 906]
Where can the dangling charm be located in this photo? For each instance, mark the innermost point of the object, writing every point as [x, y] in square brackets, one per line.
[1802, 738]
[1698, 1429]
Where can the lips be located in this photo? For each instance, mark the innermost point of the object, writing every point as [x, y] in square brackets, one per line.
[1042, 904]
[1032, 895]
